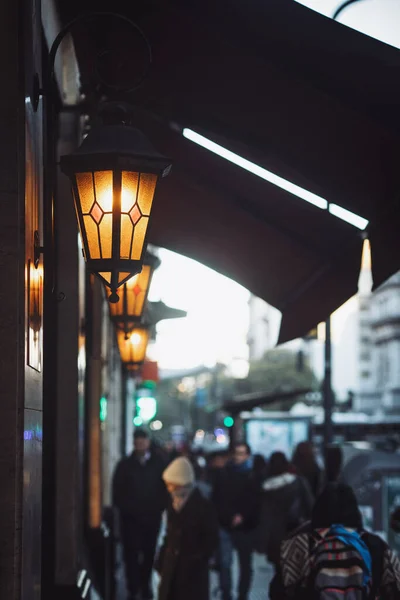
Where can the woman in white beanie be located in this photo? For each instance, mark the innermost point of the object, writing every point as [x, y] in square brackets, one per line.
[191, 538]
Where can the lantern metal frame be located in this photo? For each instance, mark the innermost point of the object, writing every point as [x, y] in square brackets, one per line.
[133, 365]
[115, 147]
[125, 321]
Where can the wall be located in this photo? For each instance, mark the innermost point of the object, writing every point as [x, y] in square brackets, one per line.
[69, 527]
[111, 427]
[20, 301]
[34, 282]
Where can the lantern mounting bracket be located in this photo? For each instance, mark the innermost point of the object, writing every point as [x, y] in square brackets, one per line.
[38, 91]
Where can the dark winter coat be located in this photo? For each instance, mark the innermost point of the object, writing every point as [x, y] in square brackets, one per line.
[138, 489]
[191, 539]
[286, 503]
[236, 492]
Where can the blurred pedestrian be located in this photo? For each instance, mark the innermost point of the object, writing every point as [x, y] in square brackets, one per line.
[140, 496]
[286, 503]
[236, 497]
[333, 557]
[395, 520]
[199, 464]
[259, 467]
[216, 462]
[333, 457]
[306, 465]
[191, 538]
[171, 451]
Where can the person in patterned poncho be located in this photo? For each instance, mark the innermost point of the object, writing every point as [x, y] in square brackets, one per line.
[336, 505]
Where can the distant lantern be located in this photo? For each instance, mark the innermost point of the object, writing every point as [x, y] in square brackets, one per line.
[133, 347]
[133, 296]
[114, 174]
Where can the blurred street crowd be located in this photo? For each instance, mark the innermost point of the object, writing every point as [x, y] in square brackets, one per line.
[302, 518]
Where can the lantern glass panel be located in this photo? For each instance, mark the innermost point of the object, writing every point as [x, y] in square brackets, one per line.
[136, 290]
[104, 190]
[138, 241]
[129, 190]
[86, 191]
[107, 277]
[126, 236]
[105, 235]
[133, 349]
[97, 216]
[148, 182]
[92, 235]
[137, 195]
[123, 276]
[134, 293]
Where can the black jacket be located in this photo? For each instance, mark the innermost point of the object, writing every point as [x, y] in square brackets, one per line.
[138, 490]
[286, 503]
[237, 492]
[191, 538]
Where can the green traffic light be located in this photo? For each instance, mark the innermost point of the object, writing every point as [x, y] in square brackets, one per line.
[229, 422]
[103, 409]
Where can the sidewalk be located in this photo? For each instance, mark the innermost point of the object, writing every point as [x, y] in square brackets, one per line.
[262, 576]
[263, 573]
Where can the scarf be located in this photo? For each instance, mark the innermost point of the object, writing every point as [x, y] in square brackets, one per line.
[181, 496]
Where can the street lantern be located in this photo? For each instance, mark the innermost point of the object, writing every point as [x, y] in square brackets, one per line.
[133, 295]
[114, 174]
[133, 346]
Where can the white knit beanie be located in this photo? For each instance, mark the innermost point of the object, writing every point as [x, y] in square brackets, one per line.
[179, 472]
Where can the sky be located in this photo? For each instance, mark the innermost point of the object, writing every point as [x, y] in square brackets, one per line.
[377, 18]
[216, 326]
[215, 329]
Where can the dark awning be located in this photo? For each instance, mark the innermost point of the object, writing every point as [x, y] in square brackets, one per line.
[297, 257]
[247, 402]
[306, 97]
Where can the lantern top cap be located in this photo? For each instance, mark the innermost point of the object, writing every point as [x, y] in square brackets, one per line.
[116, 146]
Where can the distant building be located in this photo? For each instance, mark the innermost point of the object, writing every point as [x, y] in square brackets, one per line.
[366, 348]
[264, 323]
[379, 343]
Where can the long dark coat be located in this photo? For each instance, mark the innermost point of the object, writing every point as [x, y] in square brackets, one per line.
[191, 539]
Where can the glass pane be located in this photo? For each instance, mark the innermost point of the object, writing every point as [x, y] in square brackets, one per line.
[129, 190]
[96, 213]
[147, 188]
[106, 275]
[135, 214]
[138, 238]
[92, 237]
[104, 189]
[137, 289]
[123, 276]
[138, 340]
[124, 347]
[115, 307]
[86, 193]
[105, 228]
[126, 236]
[134, 348]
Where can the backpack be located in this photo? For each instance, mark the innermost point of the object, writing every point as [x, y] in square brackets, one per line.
[339, 566]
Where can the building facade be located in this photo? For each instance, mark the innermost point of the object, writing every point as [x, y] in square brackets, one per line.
[365, 343]
[379, 348]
